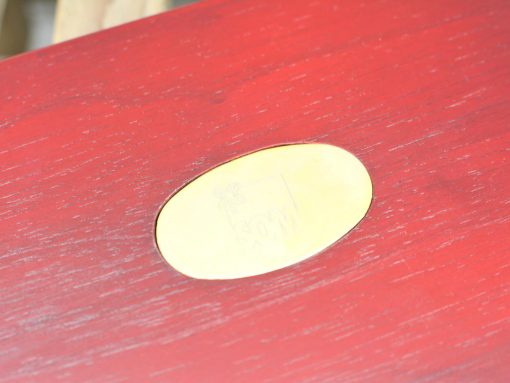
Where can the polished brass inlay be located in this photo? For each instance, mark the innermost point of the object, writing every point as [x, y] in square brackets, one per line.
[263, 211]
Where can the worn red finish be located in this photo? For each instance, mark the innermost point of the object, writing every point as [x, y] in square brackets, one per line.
[96, 133]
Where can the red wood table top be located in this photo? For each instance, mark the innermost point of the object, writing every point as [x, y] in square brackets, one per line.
[96, 133]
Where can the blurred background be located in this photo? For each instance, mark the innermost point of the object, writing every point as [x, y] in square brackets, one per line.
[30, 24]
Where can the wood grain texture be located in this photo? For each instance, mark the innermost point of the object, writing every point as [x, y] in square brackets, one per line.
[96, 133]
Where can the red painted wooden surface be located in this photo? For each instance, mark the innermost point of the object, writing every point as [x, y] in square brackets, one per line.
[97, 132]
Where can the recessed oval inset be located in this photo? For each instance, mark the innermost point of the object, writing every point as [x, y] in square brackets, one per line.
[263, 211]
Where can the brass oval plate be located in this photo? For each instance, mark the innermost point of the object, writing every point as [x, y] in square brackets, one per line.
[263, 211]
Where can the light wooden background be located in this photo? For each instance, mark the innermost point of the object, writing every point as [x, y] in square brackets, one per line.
[32, 24]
